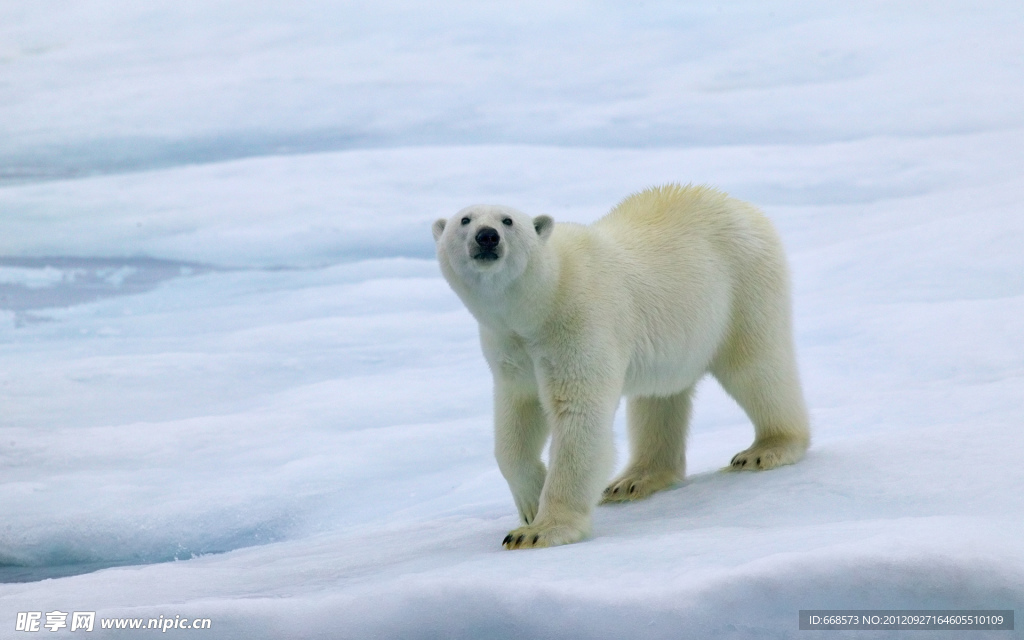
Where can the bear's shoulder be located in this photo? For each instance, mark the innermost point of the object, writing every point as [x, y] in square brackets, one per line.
[667, 205]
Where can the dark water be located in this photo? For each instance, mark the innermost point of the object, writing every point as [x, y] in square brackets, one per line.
[67, 281]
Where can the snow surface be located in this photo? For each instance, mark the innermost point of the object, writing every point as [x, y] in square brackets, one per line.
[233, 384]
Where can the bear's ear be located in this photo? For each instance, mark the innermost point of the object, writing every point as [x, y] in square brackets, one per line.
[438, 228]
[544, 226]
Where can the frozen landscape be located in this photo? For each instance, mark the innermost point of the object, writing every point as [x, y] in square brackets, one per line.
[233, 384]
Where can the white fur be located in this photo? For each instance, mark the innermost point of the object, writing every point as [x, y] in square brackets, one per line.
[673, 283]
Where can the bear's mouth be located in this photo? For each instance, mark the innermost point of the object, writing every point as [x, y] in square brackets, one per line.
[485, 256]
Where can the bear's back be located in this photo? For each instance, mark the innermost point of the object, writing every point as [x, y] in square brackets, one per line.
[670, 219]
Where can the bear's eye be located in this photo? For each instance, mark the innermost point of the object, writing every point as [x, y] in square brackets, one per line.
[465, 221]
[507, 222]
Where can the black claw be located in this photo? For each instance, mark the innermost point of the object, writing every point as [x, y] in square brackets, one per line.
[519, 540]
[632, 489]
[759, 461]
[535, 539]
[616, 490]
[507, 540]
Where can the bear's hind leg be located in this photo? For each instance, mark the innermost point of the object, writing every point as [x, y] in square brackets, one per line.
[768, 389]
[657, 434]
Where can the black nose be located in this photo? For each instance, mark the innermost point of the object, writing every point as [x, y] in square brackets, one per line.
[487, 238]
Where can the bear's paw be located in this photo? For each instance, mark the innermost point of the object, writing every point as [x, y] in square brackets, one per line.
[536, 536]
[637, 485]
[768, 454]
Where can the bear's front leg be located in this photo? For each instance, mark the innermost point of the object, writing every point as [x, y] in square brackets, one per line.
[520, 430]
[582, 456]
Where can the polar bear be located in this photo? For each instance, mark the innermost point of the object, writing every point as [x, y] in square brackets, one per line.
[673, 283]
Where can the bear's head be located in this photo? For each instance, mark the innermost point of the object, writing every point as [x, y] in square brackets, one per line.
[488, 245]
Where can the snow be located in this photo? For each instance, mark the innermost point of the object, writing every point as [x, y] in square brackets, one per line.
[233, 384]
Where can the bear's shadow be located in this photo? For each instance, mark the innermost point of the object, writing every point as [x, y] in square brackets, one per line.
[710, 499]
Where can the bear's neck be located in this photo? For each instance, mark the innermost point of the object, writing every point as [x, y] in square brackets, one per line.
[523, 305]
